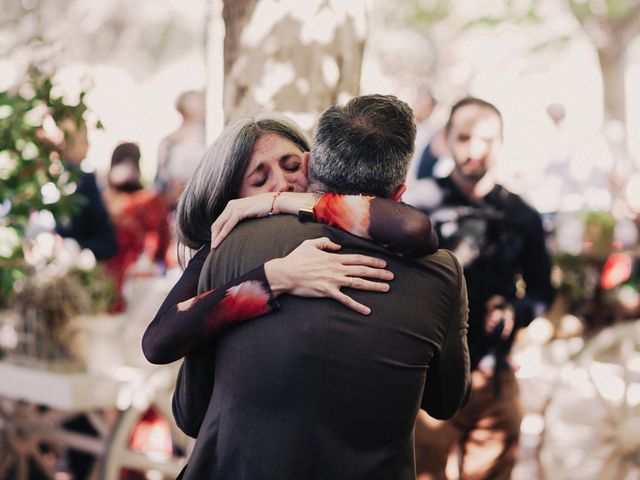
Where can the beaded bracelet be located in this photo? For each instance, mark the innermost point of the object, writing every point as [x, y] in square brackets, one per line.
[273, 204]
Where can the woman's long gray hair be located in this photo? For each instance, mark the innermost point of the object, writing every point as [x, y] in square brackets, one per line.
[218, 177]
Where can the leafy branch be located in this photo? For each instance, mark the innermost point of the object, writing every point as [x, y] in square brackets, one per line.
[33, 177]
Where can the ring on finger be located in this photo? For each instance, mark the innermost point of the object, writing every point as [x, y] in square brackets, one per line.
[350, 282]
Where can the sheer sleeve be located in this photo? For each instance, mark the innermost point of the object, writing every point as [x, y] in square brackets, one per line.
[400, 227]
[185, 321]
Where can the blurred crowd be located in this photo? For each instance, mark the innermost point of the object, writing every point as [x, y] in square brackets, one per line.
[125, 223]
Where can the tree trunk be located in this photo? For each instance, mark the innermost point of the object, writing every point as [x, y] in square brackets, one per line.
[236, 15]
[290, 56]
[613, 67]
[611, 37]
[613, 83]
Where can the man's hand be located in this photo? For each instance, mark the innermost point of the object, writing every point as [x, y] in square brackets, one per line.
[499, 310]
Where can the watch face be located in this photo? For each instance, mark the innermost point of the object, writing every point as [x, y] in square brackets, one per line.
[305, 214]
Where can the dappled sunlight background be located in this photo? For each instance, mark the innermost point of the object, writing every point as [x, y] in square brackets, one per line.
[134, 57]
[521, 68]
[578, 365]
[139, 111]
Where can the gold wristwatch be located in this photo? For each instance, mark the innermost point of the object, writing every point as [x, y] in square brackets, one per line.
[306, 210]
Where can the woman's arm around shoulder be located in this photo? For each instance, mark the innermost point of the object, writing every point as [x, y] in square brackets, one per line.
[402, 228]
[186, 320]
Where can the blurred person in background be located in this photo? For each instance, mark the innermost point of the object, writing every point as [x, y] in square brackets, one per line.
[423, 107]
[436, 150]
[178, 156]
[430, 141]
[498, 238]
[91, 225]
[180, 151]
[139, 216]
[430, 148]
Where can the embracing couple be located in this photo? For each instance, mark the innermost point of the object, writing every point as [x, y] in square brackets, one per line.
[317, 333]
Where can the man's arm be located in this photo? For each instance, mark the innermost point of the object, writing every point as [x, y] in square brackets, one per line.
[448, 383]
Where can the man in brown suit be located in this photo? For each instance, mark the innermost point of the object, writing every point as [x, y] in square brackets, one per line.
[316, 390]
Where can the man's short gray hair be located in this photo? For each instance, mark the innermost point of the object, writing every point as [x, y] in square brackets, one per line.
[363, 147]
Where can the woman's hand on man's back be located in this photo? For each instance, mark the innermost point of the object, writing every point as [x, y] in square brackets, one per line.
[312, 271]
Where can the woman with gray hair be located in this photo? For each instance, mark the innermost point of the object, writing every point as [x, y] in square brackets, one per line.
[258, 167]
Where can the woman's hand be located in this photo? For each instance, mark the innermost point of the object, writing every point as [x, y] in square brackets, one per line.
[238, 210]
[310, 271]
[254, 207]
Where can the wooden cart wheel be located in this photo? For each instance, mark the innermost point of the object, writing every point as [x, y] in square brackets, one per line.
[32, 439]
[123, 460]
[593, 419]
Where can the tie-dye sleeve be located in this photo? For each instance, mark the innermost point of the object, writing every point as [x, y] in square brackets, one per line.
[185, 321]
[400, 227]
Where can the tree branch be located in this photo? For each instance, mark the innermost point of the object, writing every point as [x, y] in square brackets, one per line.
[630, 27]
[236, 15]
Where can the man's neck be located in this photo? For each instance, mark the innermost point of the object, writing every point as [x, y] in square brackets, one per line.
[474, 189]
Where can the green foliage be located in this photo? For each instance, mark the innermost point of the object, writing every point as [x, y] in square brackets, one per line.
[99, 285]
[571, 282]
[32, 173]
[604, 9]
[510, 11]
[553, 43]
[527, 11]
[599, 230]
[417, 13]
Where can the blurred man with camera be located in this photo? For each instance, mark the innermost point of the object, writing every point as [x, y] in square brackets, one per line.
[498, 239]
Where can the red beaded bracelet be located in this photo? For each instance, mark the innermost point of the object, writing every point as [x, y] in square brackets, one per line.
[273, 204]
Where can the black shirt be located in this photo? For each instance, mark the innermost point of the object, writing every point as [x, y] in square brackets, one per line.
[495, 240]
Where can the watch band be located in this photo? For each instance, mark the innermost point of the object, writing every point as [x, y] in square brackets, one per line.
[305, 213]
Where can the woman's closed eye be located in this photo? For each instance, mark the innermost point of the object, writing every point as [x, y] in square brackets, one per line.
[293, 167]
[291, 163]
[260, 181]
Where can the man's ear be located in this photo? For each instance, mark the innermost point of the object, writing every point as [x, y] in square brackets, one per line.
[397, 194]
[305, 163]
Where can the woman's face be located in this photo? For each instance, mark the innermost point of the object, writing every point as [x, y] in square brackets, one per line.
[277, 165]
